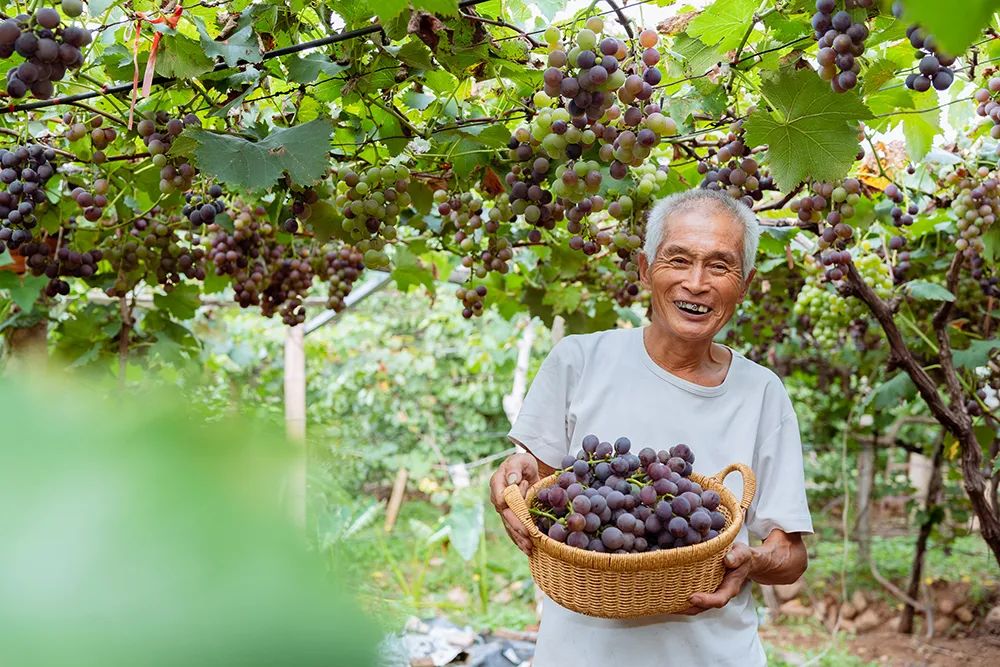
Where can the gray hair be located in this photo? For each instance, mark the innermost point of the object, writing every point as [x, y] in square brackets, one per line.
[681, 202]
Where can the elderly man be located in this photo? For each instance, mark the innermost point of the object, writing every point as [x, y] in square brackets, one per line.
[661, 385]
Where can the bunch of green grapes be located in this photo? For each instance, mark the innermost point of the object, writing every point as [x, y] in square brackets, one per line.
[371, 201]
[825, 311]
[976, 206]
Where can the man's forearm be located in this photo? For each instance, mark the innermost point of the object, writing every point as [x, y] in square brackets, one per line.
[781, 559]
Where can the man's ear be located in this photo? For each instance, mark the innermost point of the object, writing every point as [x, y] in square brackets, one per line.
[643, 270]
[746, 283]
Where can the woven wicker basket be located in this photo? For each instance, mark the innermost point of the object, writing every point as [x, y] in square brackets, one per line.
[630, 585]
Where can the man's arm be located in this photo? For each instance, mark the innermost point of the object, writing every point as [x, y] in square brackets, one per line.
[780, 559]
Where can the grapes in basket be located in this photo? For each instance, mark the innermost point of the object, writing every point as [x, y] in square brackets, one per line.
[609, 499]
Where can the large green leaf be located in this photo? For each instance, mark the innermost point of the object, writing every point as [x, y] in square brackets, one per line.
[811, 132]
[301, 151]
[182, 58]
[241, 46]
[928, 291]
[955, 28]
[891, 393]
[726, 20]
[976, 354]
[24, 290]
[182, 301]
[920, 130]
[465, 526]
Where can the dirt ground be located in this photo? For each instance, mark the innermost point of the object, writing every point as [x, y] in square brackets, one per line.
[888, 648]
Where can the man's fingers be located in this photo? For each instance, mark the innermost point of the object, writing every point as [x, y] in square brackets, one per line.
[516, 530]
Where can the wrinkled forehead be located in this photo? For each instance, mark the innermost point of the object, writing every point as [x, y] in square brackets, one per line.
[703, 226]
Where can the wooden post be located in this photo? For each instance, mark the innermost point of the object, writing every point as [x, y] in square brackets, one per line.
[295, 421]
[396, 499]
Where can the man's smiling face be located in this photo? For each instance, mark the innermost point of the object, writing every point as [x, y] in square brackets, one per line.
[696, 278]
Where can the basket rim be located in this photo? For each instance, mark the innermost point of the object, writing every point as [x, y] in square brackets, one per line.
[636, 562]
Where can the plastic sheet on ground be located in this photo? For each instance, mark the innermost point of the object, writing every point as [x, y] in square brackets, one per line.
[437, 642]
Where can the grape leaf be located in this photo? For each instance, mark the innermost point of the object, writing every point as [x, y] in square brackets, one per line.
[953, 30]
[241, 46]
[726, 20]
[465, 526]
[925, 290]
[24, 290]
[920, 130]
[386, 10]
[182, 301]
[182, 58]
[811, 132]
[976, 354]
[307, 69]
[698, 56]
[441, 7]
[408, 271]
[302, 151]
[891, 393]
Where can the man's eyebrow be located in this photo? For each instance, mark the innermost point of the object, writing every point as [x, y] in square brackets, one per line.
[715, 254]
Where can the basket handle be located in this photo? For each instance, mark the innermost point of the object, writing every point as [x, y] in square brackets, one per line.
[749, 481]
[515, 501]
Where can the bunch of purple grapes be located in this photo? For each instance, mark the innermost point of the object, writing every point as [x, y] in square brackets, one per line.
[24, 171]
[609, 500]
[841, 42]
[934, 67]
[48, 49]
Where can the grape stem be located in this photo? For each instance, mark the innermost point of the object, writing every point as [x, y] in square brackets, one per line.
[540, 512]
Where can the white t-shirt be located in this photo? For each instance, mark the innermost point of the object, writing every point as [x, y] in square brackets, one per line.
[605, 383]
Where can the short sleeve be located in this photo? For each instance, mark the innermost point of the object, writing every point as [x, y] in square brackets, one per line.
[780, 501]
[542, 424]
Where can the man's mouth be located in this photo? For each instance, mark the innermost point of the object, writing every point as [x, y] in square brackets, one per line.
[693, 308]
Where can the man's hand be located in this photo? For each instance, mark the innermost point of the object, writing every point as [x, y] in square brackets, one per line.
[520, 469]
[780, 559]
[737, 563]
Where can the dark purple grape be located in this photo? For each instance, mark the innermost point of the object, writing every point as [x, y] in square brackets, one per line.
[604, 449]
[622, 445]
[701, 521]
[580, 468]
[718, 520]
[681, 506]
[626, 522]
[710, 500]
[664, 510]
[647, 496]
[613, 538]
[678, 527]
[582, 504]
[558, 532]
[694, 499]
[575, 521]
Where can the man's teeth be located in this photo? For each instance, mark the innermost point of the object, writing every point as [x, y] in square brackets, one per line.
[693, 307]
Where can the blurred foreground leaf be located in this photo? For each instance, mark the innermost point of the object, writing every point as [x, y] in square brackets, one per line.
[135, 534]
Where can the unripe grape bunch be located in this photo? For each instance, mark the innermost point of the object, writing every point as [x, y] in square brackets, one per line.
[158, 133]
[48, 49]
[734, 170]
[989, 106]
[824, 310]
[609, 500]
[832, 204]
[976, 207]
